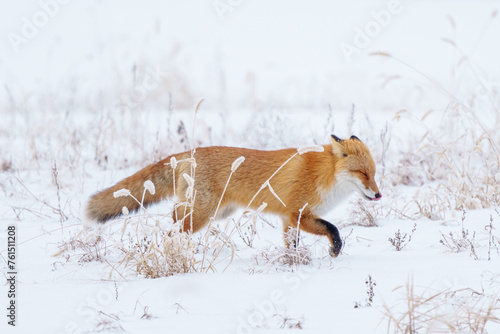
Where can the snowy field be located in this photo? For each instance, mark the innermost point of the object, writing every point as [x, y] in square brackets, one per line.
[93, 91]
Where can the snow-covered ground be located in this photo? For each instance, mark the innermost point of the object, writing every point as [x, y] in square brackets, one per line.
[95, 90]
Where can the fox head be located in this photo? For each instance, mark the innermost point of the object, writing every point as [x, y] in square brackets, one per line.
[355, 165]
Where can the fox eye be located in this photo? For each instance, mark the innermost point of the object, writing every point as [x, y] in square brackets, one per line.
[363, 173]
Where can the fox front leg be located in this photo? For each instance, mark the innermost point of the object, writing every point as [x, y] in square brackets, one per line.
[333, 236]
[315, 225]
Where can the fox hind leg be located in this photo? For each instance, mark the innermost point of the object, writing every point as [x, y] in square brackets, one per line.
[191, 220]
[194, 218]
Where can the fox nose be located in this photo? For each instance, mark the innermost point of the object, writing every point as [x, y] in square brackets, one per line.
[378, 196]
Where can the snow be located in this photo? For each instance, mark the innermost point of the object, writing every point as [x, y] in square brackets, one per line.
[104, 88]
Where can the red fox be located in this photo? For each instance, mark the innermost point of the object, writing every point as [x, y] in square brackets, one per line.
[314, 182]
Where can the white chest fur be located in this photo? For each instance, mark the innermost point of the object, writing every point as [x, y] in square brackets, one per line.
[341, 189]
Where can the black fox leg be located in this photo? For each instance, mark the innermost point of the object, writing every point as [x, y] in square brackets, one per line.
[312, 224]
[334, 237]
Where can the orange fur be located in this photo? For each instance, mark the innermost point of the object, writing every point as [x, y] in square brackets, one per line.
[318, 179]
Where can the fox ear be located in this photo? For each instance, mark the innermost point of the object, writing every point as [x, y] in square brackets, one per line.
[337, 139]
[338, 148]
[355, 138]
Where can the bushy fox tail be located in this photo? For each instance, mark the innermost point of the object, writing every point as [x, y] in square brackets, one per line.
[103, 205]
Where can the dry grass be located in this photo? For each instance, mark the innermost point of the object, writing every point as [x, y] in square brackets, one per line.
[108, 323]
[288, 322]
[458, 161]
[462, 243]
[146, 248]
[400, 241]
[156, 252]
[85, 246]
[370, 293]
[493, 241]
[451, 311]
[277, 257]
[461, 165]
[367, 213]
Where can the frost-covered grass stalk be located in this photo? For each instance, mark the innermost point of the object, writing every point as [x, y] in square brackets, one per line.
[298, 224]
[173, 164]
[148, 186]
[236, 163]
[55, 180]
[234, 166]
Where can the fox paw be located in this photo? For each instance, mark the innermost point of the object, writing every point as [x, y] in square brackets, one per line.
[334, 252]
